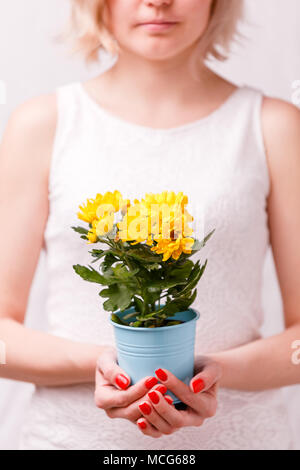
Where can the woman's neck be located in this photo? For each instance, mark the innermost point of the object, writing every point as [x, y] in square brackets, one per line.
[161, 81]
[164, 93]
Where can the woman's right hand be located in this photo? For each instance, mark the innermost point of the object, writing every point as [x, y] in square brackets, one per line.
[113, 393]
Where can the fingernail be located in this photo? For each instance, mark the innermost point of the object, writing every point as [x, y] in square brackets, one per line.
[162, 389]
[122, 381]
[151, 382]
[161, 375]
[198, 385]
[145, 408]
[169, 400]
[142, 424]
[154, 397]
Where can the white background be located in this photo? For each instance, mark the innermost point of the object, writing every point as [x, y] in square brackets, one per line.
[32, 62]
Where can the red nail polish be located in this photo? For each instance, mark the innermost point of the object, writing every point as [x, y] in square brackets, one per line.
[161, 375]
[162, 389]
[122, 381]
[169, 400]
[145, 408]
[151, 382]
[142, 424]
[198, 385]
[153, 397]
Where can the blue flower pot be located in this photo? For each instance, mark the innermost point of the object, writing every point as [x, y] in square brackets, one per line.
[143, 350]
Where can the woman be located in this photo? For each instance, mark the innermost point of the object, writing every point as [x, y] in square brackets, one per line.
[158, 119]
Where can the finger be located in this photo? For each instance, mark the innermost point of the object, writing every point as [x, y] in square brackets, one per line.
[147, 428]
[191, 417]
[208, 377]
[107, 396]
[169, 400]
[179, 388]
[132, 411]
[101, 380]
[161, 388]
[203, 404]
[154, 418]
[169, 413]
[107, 364]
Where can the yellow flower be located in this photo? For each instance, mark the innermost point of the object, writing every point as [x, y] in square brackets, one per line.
[105, 225]
[168, 214]
[99, 213]
[166, 197]
[88, 212]
[173, 248]
[134, 226]
[160, 218]
[92, 234]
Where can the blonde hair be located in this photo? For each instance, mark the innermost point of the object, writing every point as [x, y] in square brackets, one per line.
[90, 34]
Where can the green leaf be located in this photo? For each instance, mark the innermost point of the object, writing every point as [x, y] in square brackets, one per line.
[144, 254]
[179, 304]
[153, 294]
[109, 260]
[98, 254]
[81, 230]
[91, 275]
[130, 315]
[193, 279]
[165, 283]
[119, 297]
[182, 271]
[139, 305]
[136, 324]
[116, 319]
[124, 275]
[198, 245]
[153, 267]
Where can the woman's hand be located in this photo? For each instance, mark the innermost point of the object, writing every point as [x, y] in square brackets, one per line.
[200, 397]
[113, 393]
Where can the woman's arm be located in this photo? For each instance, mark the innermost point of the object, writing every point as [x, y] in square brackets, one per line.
[25, 155]
[267, 363]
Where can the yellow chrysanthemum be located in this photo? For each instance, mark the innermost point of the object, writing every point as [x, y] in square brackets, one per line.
[161, 218]
[173, 248]
[92, 235]
[168, 213]
[99, 213]
[135, 224]
[115, 200]
[166, 197]
[88, 211]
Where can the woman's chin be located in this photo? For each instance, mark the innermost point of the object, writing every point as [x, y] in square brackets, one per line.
[157, 53]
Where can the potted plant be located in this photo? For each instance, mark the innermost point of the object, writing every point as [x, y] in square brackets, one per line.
[148, 277]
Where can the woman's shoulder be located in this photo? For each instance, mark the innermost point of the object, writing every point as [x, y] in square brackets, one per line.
[35, 115]
[29, 135]
[279, 112]
[281, 132]
[280, 121]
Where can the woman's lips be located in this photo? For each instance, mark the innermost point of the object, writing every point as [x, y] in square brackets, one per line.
[158, 26]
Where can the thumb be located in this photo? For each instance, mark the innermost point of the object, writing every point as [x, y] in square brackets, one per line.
[108, 366]
[209, 375]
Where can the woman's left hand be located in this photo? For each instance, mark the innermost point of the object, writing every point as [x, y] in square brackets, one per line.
[200, 396]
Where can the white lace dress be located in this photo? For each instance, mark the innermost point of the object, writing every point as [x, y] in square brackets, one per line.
[219, 162]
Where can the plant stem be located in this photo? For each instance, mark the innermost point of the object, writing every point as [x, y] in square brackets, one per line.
[143, 292]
